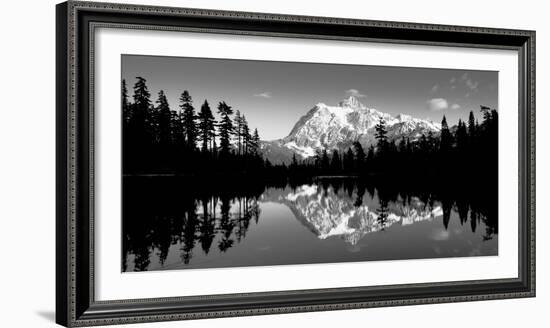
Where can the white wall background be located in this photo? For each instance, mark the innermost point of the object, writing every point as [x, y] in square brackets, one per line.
[27, 161]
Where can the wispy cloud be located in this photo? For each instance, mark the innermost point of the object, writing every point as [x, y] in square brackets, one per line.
[265, 94]
[355, 93]
[452, 80]
[472, 85]
[435, 88]
[468, 81]
[455, 106]
[437, 104]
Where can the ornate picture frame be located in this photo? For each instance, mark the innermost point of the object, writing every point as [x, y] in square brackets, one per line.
[76, 304]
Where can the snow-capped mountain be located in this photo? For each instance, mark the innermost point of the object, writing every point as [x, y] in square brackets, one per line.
[331, 214]
[337, 127]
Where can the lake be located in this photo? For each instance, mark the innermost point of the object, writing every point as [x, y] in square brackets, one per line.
[177, 223]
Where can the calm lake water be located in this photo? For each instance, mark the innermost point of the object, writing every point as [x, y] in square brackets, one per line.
[324, 221]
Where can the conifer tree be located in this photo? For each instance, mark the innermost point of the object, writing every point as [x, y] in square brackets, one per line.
[359, 156]
[125, 103]
[255, 144]
[424, 145]
[164, 119]
[238, 129]
[402, 148]
[349, 161]
[206, 126]
[461, 136]
[446, 136]
[370, 154]
[432, 142]
[335, 163]
[225, 127]
[486, 112]
[471, 125]
[294, 162]
[142, 127]
[178, 137]
[142, 100]
[409, 147]
[325, 161]
[381, 135]
[245, 136]
[188, 119]
[318, 158]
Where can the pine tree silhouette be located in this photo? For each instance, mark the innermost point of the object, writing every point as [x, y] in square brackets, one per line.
[471, 125]
[360, 156]
[381, 135]
[349, 161]
[225, 128]
[164, 119]
[446, 137]
[188, 120]
[325, 161]
[142, 111]
[335, 164]
[207, 130]
[245, 134]
[125, 103]
[255, 143]
[238, 130]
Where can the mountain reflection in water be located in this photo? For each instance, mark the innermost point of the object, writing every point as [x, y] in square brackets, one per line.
[323, 221]
[329, 213]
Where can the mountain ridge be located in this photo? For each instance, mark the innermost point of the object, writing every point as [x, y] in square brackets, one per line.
[326, 127]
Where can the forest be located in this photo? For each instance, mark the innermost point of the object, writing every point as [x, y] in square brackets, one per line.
[157, 139]
[193, 142]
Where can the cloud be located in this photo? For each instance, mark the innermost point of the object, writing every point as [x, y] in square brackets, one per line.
[472, 85]
[452, 80]
[265, 94]
[455, 106]
[435, 88]
[355, 93]
[437, 104]
[468, 81]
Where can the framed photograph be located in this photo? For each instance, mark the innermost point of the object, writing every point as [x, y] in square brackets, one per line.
[214, 163]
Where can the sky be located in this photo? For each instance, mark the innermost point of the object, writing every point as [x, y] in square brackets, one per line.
[274, 95]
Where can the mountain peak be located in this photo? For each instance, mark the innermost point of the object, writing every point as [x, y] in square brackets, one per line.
[351, 102]
[404, 117]
[326, 127]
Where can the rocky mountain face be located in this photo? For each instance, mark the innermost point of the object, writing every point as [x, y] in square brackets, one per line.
[337, 127]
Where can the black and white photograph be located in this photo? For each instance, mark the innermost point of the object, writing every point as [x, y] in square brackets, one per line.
[236, 163]
[267, 164]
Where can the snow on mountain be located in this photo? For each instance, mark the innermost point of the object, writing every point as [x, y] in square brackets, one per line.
[337, 127]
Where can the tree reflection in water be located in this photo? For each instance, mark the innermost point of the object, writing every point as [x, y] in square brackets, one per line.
[156, 217]
[159, 213]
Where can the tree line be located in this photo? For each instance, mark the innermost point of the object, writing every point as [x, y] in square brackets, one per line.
[470, 147]
[158, 139]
